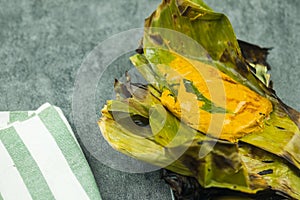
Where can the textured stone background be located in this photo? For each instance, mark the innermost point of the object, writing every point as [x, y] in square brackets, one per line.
[43, 43]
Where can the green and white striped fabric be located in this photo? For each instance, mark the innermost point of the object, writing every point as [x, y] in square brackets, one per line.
[41, 159]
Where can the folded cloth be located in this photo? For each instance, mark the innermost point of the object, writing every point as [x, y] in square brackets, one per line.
[41, 159]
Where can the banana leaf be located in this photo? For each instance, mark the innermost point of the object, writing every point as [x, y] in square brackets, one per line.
[139, 126]
[211, 30]
[205, 94]
[214, 33]
[189, 96]
[188, 188]
[181, 77]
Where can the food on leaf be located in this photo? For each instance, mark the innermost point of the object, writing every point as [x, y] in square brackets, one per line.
[208, 112]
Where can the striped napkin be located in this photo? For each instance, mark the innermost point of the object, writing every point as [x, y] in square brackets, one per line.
[41, 159]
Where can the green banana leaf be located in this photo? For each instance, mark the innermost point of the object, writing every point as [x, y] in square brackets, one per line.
[182, 89]
[214, 33]
[140, 127]
[205, 94]
[211, 30]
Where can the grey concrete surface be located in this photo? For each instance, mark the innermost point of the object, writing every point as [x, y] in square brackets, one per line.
[43, 43]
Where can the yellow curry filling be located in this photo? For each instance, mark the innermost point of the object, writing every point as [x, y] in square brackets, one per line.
[245, 109]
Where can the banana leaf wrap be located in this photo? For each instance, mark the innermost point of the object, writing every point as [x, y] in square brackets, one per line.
[208, 111]
[215, 35]
[138, 125]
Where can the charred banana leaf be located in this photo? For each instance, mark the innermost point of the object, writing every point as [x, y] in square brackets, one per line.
[181, 77]
[207, 92]
[141, 127]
